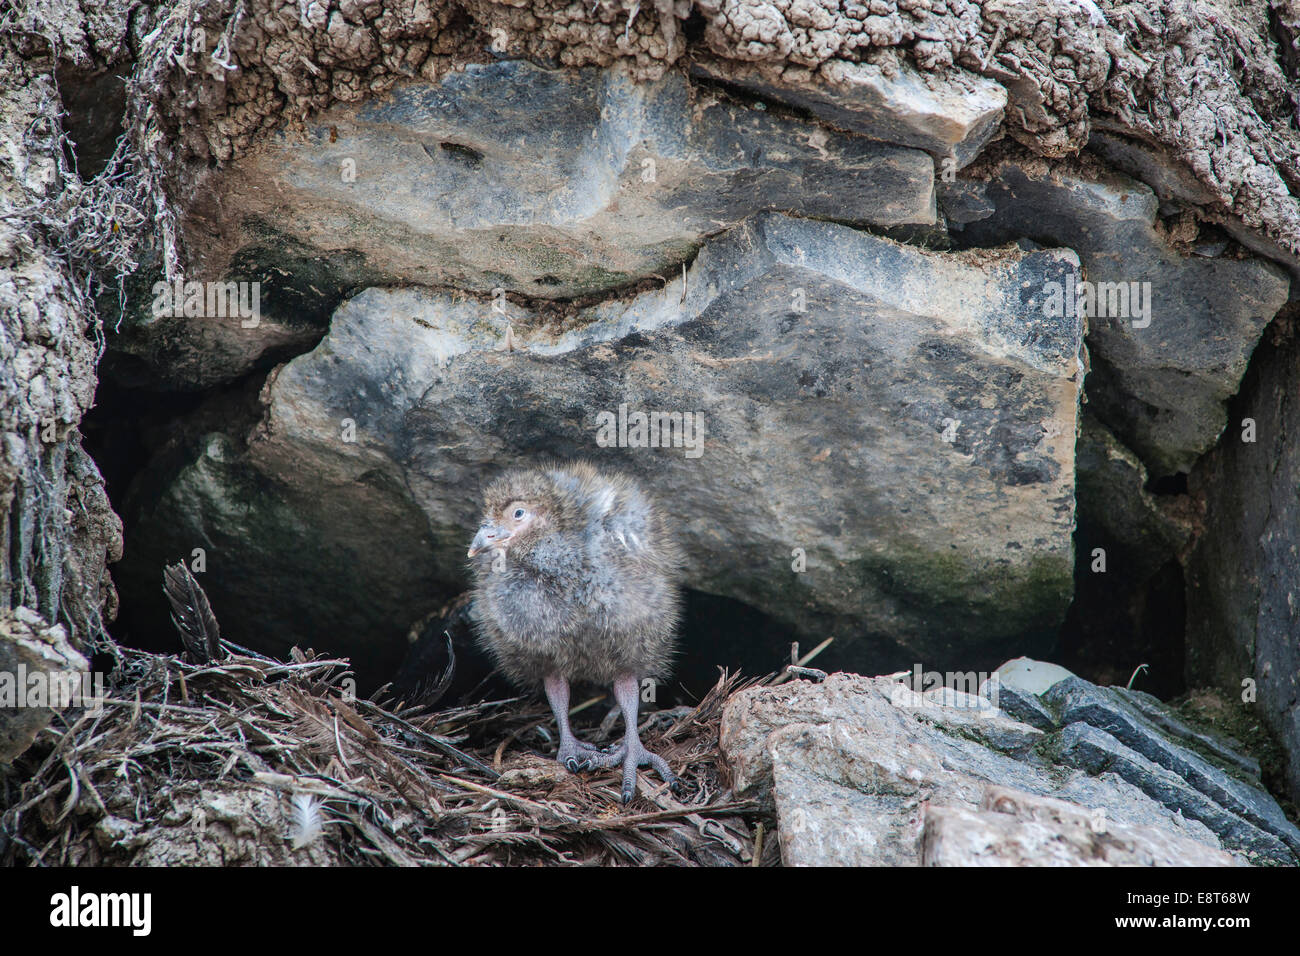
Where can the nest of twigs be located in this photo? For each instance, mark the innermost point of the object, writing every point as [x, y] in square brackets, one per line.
[247, 760]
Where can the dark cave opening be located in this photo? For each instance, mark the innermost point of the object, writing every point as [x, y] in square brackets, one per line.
[1113, 624]
[1120, 631]
[1175, 484]
[94, 106]
[130, 431]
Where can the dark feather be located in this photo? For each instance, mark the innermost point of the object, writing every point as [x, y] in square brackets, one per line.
[430, 691]
[192, 614]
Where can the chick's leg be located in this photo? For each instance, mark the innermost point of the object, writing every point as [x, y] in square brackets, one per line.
[574, 755]
[627, 693]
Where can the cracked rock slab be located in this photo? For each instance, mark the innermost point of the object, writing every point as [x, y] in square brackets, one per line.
[1109, 710]
[1025, 707]
[946, 113]
[856, 779]
[1163, 386]
[824, 371]
[549, 183]
[1223, 750]
[1024, 830]
[1088, 748]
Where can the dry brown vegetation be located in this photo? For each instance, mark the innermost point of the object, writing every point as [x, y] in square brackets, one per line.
[225, 762]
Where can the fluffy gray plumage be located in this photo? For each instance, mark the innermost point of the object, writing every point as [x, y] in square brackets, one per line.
[587, 589]
[576, 579]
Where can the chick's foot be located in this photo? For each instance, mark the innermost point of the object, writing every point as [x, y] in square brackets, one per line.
[575, 755]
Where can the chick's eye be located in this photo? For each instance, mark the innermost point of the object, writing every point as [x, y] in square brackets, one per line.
[519, 514]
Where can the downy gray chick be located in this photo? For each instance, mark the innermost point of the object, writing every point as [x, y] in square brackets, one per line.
[576, 579]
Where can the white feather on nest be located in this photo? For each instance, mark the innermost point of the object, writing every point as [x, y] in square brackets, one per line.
[307, 821]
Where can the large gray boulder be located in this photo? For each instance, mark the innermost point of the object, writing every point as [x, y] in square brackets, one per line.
[549, 183]
[866, 431]
[1162, 370]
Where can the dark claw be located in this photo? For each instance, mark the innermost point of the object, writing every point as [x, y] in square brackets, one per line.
[573, 765]
[628, 794]
[676, 786]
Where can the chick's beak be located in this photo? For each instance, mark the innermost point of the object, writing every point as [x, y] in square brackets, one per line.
[488, 536]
